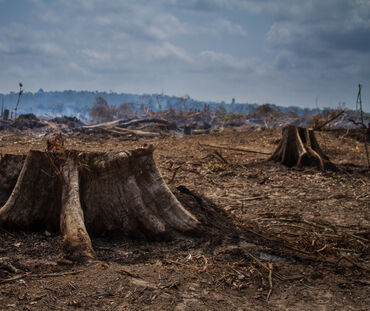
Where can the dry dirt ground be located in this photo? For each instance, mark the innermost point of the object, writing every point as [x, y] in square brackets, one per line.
[275, 238]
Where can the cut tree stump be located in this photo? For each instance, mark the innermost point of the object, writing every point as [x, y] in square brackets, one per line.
[82, 193]
[299, 147]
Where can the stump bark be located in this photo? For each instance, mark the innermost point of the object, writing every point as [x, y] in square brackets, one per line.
[84, 193]
[299, 147]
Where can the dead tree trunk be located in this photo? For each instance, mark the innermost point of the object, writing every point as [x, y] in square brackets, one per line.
[81, 193]
[299, 147]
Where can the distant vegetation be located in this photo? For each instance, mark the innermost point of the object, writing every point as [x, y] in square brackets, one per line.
[79, 103]
[104, 106]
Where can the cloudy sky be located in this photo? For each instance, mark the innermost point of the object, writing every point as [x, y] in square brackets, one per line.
[287, 52]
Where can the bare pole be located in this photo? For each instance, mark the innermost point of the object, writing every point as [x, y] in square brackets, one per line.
[359, 103]
[2, 106]
[19, 98]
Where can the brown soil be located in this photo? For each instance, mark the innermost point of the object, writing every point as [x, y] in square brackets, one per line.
[275, 238]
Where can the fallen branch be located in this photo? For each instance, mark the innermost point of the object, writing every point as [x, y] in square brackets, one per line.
[48, 275]
[14, 278]
[320, 126]
[124, 123]
[117, 131]
[234, 149]
[40, 275]
[140, 121]
[353, 263]
[357, 123]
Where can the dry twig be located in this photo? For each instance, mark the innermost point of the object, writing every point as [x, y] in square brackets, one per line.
[271, 267]
[254, 198]
[261, 264]
[174, 175]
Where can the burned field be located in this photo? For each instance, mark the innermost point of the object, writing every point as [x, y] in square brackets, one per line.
[270, 237]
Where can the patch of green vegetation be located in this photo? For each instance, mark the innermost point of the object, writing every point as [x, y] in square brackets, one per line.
[213, 166]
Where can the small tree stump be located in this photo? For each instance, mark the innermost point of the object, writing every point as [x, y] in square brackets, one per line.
[299, 147]
[80, 193]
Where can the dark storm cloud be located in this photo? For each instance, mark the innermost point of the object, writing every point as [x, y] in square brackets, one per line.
[320, 35]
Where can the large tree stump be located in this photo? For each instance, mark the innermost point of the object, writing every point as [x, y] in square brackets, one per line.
[299, 147]
[81, 193]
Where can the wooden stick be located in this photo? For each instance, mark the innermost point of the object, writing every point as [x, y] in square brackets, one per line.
[254, 198]
[14, 278]
[234, 149]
